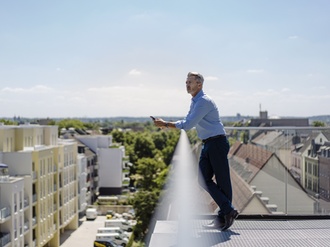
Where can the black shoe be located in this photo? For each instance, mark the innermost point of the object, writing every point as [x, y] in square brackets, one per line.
[229, 219]
[217, 223]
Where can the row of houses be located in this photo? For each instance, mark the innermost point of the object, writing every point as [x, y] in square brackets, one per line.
[282, 172]
[46, 182]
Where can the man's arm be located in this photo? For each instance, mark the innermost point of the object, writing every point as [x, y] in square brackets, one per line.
[164, 124]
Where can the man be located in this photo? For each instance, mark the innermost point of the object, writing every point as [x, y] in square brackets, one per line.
[204, 115]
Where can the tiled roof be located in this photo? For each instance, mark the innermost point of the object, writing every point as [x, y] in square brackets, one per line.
[266, 137]
[253, 155]
[248, 159]
[234, 148]
[242, 192]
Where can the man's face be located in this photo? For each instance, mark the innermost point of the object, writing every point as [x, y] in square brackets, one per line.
[193, 86]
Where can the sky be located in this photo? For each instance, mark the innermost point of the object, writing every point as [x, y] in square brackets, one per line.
[110, 58]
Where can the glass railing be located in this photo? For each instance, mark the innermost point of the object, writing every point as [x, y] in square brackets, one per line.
[34, 175]
[4, 238]
[34, 198]
[26, 202]
[34, 221]
[26, 226]
[275, 171]
[280, 170]
[4, 213]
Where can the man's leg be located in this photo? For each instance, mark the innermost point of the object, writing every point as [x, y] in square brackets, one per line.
[205, 180]
[216, 152]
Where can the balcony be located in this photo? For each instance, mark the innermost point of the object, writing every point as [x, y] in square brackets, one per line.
[26, 203]
[34, 175]
[280, 180]
[34, 220]
[4, 239]
[34, 198]
[26, 226]
[4, 214]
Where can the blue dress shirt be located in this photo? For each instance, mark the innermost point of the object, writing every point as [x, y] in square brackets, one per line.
[204, 115]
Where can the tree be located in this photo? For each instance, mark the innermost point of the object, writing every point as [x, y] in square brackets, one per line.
[144, 204]
[118, 136]
[318, 124]
[149, 169]
[159, 139]
[7, 122]
[70, 123]
[144, 146]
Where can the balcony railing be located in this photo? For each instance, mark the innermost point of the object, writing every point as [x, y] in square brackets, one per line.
[26, 202]
[34, 175]
[26, 226]
[34, 198]
[4, 214]
[34, 221]
[4, 238]
[274, 171]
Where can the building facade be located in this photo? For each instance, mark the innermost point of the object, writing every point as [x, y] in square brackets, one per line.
[47, 170]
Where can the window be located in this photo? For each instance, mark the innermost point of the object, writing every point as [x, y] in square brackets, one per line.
[15, 202]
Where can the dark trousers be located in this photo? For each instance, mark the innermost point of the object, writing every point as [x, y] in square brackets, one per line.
[214, 161]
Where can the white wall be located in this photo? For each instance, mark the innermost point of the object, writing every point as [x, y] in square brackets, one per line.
[110, 167]
[95, 142]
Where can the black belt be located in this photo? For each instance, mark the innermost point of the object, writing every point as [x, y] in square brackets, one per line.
[213, 137]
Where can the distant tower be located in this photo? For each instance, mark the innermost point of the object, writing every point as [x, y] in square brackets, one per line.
[262, 114]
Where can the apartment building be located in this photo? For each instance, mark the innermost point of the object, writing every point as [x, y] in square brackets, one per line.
[82, 183]
[12, 221]
[109, 163]
[46, 170]
[91, 169]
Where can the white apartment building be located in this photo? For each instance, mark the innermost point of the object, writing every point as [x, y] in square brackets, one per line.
[47, 169]
[110, 163]
[12, 220]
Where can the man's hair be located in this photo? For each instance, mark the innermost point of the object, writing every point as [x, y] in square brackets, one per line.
[197, 76]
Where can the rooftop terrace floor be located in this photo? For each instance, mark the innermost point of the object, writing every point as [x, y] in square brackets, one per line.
[247, 232]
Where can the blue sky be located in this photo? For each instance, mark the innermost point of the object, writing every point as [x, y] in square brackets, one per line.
[107, 58]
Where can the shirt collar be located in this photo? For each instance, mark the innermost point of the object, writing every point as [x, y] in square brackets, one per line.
[198, 95]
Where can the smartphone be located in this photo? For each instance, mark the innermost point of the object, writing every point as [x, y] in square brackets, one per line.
[153, 118]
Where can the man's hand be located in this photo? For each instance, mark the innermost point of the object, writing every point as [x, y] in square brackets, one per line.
[160, 123]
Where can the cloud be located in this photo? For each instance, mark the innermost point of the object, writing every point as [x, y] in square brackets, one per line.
[293, 37]
[135, 72]
[285, 89]
[211, 78]
[35, 89]
[267, 93]
[255, 71]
